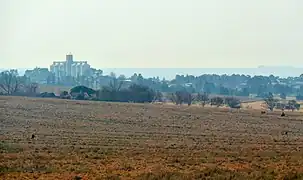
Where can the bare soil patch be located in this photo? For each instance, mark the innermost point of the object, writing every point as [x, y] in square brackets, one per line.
[95, 140]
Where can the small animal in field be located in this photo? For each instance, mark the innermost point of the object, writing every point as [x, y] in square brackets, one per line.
[77, 178]
[33, 136]
[263, 112]
[283, 114]
[284, 133]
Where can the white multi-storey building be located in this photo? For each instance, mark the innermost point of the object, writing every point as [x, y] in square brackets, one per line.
[69, 67]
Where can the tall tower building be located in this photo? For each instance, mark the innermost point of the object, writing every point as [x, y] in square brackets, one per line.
[69, 62]
[69, 57]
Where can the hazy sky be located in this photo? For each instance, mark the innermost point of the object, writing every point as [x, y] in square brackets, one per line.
[152, 33]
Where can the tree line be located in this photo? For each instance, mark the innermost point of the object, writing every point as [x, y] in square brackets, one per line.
[228, 85]
[183, 89]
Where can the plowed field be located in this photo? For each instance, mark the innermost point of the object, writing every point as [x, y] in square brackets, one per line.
[97, 140]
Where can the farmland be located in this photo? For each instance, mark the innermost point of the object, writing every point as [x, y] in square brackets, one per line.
[97, 140]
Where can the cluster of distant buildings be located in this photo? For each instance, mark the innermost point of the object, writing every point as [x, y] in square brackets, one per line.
[60, 69]
[69, 67]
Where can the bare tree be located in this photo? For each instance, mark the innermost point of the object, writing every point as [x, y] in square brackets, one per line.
[158, 96]
[9, 81]
[112, 92]
[181, 97]
[190, 98]
[32, 88]
[115, 84]
[173, 98]
[203, 98]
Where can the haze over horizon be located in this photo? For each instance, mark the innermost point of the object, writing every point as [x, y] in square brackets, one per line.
[152, 34]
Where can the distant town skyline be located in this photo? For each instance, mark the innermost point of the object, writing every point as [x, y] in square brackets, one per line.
[170, 73]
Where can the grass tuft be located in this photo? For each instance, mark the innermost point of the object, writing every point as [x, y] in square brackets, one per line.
[6, 147]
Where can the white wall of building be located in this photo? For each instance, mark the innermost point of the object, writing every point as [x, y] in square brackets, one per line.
[69, 67]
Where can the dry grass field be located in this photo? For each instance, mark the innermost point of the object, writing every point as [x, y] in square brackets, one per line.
[94, 140]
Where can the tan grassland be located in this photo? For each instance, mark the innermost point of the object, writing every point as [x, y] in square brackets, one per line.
[98, 140]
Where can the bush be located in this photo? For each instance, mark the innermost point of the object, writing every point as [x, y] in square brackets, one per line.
[233, 102]
[180, 97]
[292, 104]
[82, 89]
[141, 94]
[47, 95]
[80, 96]
[217, 101]
[65, 95]
[135, 93]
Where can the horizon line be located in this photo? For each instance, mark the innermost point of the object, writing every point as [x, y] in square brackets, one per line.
[261, 66]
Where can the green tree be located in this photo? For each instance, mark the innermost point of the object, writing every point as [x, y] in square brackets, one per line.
[82, 90]
[140, 79]
[270, 101]
[209, 87]
[141, 94]
[224, 90]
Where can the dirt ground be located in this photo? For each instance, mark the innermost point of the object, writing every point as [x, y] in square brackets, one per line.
[95, 140]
